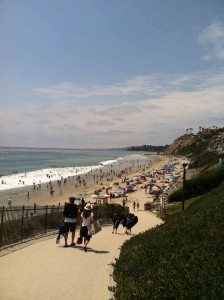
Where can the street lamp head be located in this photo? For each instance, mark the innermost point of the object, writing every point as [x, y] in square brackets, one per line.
[184, 165]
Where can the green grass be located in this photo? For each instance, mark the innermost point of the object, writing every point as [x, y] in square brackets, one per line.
[181, 259]
[199, 185]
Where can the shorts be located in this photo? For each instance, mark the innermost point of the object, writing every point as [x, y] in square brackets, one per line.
[69, 227]
[84, 233]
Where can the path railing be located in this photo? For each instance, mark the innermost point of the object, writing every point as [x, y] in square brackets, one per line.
[20, 222]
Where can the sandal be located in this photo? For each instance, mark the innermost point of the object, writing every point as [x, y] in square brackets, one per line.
[65, 246]
[72, 244]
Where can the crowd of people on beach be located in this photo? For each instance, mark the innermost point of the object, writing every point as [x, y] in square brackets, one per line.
[57, 186]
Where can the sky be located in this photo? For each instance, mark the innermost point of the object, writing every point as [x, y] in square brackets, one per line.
[109, 73]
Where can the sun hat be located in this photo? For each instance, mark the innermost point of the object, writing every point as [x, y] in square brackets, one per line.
[88, 206]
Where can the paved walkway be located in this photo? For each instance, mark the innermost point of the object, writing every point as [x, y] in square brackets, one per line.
[45, 270]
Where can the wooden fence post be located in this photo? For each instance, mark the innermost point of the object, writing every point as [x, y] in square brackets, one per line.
[45, 227]
[2, 225]
[22, 221]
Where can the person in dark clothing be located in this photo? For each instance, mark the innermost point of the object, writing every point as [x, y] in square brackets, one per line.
[61, 233]
[131, 221]
[116, 222]
[70, 214]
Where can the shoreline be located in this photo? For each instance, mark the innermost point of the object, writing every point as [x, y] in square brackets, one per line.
[72, 187]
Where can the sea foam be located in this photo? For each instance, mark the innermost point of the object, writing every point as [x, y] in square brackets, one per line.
[41, 176]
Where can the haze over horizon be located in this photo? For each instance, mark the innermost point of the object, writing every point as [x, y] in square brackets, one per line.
[109, 74]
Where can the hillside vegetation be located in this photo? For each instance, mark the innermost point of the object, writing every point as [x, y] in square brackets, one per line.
[203, 149]
[181, 259]
[199, 185]
[148, 148]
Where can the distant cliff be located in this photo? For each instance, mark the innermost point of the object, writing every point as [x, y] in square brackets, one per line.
[202, 148]
[191, 143]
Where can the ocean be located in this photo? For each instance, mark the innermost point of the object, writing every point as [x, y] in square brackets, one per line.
[20, 167]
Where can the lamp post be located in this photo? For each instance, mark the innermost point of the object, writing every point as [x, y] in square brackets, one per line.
[183, 190]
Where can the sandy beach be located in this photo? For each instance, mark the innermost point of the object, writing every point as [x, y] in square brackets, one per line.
[44, 270]
[72, 187]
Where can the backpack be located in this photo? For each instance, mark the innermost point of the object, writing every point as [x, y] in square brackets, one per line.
[70, 210]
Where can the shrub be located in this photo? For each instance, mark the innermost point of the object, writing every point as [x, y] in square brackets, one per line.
[108, 210]
[199, 185]
[181, 259]
[207, 159]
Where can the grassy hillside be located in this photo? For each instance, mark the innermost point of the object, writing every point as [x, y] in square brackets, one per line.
[181, 259]
[199, 185]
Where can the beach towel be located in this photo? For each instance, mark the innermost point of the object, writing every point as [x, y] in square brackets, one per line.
[132, 221]
[94, 228]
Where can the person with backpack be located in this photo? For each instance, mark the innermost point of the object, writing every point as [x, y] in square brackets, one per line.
[131, 221]
[70, 214]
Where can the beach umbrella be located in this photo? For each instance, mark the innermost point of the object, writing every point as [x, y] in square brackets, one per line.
[77, 197]
[158, 186]
[150, 184]
[142, 180]
[153, 184]
[81, 195]
[122, 189]
[142, 174]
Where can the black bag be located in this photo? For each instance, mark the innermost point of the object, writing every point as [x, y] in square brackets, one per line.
[70, 210]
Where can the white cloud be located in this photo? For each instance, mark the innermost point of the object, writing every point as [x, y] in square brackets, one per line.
[131, 90]
[188, 101]
[212, 38]
[133, 86]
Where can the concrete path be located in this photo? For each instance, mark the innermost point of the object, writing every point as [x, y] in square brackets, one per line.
[45, 270]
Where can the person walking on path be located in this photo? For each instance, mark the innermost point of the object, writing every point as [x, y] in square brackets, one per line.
[86, 219]
[134, 205]
[70, 214]
[10, 201]
[116, 222]
[131, 221]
